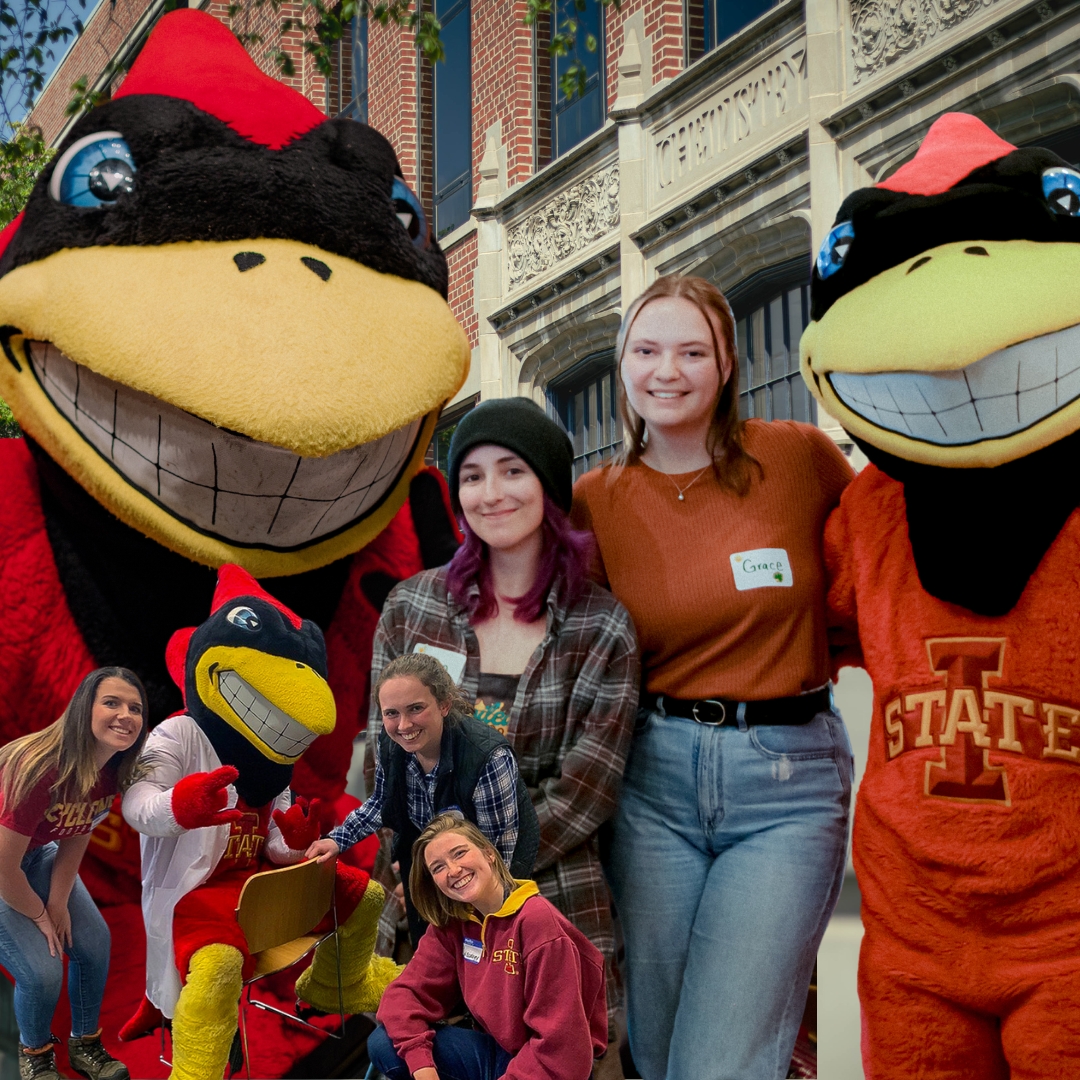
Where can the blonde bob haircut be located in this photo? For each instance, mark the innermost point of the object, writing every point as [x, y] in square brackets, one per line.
[732, 464]
[431, 902]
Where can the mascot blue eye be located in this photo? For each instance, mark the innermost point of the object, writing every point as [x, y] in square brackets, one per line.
[410, 213]
[834, 251]
[95, 171]
[245, 617]
[1061, 187]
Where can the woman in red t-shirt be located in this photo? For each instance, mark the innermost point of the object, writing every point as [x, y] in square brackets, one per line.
[55, 786]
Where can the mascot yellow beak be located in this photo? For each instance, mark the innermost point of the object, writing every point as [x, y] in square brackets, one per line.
[965, 355]
[261, 402]
[279, 705]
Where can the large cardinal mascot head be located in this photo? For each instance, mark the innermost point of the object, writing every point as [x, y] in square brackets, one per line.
[224, 315]
[946, 339]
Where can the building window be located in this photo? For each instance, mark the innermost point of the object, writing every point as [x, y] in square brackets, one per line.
[358, 103]
[769, 323]
[562, 122]
[584, 400]
[711, 22]
[452, 118]
[439, 451]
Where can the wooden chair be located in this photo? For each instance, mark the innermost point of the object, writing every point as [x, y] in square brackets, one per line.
[278, 911]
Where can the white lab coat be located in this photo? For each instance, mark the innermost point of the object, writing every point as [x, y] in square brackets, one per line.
[176, 860]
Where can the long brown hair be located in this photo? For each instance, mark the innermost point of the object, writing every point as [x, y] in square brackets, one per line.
[433, 905]
[67, 745]
[732, 463]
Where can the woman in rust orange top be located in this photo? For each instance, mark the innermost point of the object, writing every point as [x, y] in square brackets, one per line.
[730, 835]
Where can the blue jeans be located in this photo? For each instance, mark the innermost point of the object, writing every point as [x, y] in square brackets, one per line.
[727, 858]
[460, 1054]
[39, 976]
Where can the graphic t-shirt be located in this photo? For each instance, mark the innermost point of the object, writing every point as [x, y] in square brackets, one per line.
[45, 815]
[495, 698]
[246, 838]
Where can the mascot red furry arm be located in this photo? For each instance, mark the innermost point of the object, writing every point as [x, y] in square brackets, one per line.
[946, 339]
[226, 339]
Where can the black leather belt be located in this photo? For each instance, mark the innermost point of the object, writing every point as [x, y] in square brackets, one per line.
[800, 709]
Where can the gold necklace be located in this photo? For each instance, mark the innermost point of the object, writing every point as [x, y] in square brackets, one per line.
[680, 490]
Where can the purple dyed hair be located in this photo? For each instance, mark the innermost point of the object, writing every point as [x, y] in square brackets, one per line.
[565, 557]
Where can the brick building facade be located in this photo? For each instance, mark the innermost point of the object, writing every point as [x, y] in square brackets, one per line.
[715, 137]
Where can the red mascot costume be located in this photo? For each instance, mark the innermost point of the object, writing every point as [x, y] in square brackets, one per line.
[226, 339]
[946, 339]
[214, 806]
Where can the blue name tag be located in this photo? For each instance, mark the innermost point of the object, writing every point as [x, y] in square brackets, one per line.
[472, 950]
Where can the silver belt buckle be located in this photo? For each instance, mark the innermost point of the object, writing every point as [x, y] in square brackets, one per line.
[710, 723]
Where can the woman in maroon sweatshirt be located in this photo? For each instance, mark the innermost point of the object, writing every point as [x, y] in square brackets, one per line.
[533, 982]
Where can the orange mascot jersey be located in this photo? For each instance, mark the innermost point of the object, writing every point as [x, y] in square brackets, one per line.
[966, 840]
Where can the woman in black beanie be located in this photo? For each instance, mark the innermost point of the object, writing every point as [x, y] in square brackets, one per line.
[549, 657]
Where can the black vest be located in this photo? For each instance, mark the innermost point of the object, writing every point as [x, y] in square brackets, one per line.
[463, 756]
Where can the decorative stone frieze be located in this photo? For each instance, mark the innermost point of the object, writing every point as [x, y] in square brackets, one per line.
[884, 31]
[563, 226]
[732, 123]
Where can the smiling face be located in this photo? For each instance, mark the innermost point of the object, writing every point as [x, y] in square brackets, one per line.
[501, 497]
[670, 367]
[464, 872]
[116, 718]
[275, 408]
[945, 319]
[412, 717]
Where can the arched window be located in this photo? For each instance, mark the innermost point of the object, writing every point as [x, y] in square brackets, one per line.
[584, 401]
[771, 311]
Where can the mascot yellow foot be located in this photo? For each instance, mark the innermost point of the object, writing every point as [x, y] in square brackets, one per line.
[206, 1014]
[364, 976]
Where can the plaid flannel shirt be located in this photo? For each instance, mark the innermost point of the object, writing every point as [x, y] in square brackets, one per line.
[494, 799]
[570, 725]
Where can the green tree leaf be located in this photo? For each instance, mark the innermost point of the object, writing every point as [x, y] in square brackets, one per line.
[22, 158]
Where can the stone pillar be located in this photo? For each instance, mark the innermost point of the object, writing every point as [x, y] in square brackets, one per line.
[635, 81]
[825, 59]
[490, 257]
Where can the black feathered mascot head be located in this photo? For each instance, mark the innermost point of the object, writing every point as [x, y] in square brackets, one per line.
[223, 314]
[945, 338]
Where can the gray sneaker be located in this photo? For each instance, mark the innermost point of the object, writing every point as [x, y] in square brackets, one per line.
[90, 1059]
[41, 1066]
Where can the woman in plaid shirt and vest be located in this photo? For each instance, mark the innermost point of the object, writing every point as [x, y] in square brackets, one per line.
[549, 657]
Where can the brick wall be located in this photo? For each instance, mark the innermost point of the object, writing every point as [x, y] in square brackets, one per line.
[392, 94]
[111, 25]
[502, 67]
[461, 259]
[663, 28]
[103, 35]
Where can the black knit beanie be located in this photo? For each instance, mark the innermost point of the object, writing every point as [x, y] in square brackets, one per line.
[522, 426]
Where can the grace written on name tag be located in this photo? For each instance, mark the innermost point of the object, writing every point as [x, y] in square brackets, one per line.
[762, 568]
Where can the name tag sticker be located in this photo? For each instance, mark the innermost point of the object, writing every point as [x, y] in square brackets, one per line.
[472, 950]
[761, 569]
[454, 662]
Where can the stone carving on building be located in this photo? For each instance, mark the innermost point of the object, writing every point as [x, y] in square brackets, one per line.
[731, 121]
[563, 226]
[884, 31]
